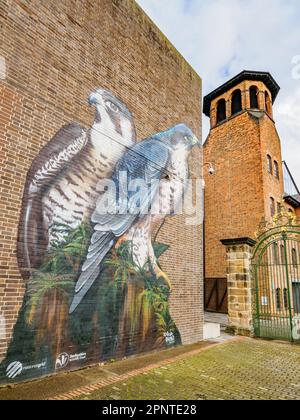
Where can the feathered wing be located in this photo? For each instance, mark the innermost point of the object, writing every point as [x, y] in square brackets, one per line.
[51, 161]
[147, 161]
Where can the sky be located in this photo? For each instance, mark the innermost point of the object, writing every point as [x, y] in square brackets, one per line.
[220, 38]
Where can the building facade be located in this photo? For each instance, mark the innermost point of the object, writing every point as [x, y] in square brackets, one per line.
[245, 183]
[58, 55]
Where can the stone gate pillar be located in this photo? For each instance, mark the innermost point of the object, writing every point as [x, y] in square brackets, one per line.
[239, 254]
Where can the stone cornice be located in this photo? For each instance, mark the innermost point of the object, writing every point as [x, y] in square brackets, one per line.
[238, 241]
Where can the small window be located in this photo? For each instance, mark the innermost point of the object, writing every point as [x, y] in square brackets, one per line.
[254, 97]
[221, 111]
[278, 299]
[270, 165]
[236, 102]
[276, 169]
[279, 208]
[294, 257]
[285, 299]
[276, 254]
[268, 103]
[272, 207]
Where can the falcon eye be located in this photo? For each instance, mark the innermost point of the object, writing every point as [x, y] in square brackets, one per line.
[112, 106]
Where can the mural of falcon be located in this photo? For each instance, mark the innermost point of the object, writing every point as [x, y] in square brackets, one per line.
[161, 162]
[60, 189]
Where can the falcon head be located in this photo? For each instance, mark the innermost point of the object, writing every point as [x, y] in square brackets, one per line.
[180, 137]
[113, 118]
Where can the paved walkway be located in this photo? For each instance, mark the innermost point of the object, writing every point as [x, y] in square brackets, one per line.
[216, 318]
[98, 376]
[228, 368]
[239, 370]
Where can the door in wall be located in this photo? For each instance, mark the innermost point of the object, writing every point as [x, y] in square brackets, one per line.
[216, 298]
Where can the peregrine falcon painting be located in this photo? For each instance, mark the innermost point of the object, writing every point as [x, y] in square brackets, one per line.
[163, 158]
[60, 189]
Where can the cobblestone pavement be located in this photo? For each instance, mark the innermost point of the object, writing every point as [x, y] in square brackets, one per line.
[66, 385]
[238, 370]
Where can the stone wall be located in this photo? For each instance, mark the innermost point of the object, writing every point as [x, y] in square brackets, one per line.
[239, 277]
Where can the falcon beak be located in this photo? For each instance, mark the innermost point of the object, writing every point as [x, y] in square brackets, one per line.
[93, 99]
[195, 141]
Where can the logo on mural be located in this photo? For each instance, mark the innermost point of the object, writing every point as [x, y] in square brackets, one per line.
[16, 368]
[170, 338]
[64, 359]
[94, 204]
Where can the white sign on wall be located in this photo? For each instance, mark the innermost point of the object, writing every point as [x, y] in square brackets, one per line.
[296, 328]
[2, 328]
[2, 68]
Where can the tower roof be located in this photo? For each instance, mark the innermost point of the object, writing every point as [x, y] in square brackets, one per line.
[291, 190]
[261, 76]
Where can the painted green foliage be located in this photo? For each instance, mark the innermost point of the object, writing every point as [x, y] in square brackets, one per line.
[125, 312]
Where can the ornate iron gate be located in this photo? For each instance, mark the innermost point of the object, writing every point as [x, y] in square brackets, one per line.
[276, 275]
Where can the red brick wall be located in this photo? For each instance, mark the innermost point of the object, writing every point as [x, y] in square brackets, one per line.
[271, 145]
[233, 195]
[238, 195]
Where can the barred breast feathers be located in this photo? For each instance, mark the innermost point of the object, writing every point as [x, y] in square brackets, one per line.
[54, 165]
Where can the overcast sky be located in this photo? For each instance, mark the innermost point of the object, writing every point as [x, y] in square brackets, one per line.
[220, 38]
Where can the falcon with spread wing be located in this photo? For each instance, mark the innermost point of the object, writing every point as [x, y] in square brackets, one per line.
[159, 165]
[60, 189]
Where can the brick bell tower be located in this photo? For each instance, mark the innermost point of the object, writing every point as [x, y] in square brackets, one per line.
[243, 169]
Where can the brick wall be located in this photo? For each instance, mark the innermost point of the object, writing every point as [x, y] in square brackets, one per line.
[273, 187]
[235, 191]
[56, 54]
[237, 196]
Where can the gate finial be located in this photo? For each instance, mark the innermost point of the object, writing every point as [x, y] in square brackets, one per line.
[285, 218]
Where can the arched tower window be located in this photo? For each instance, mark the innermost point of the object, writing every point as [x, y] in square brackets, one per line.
[276, 169]
[270, 165]
[221, 111]
[272, 207]
[279, 207]
[254, 97]
[236, 102]
[268, 103]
